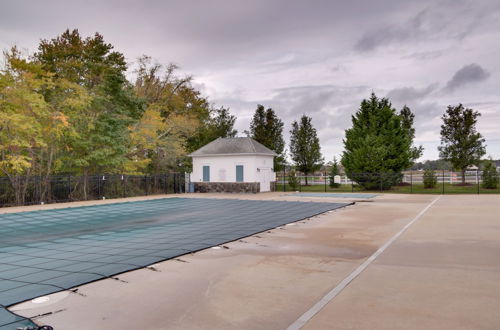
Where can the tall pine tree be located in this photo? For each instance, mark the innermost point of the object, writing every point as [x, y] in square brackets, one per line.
[304, 146]
[267, 129]
[219, 124]
[379, 147]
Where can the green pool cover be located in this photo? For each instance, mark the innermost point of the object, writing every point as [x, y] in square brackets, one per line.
[43, 252]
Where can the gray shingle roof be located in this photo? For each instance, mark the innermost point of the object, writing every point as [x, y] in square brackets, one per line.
[233, 146]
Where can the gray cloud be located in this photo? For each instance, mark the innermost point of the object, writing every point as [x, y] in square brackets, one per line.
[223, 32]
[470, 73]
[326, 103]
[374, 39]
[411, 29]
[435, 22]
[425, 55]
[406, 94]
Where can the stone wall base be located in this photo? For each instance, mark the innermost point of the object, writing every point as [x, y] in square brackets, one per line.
[227, 187]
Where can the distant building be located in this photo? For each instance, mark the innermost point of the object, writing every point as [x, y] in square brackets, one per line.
[233, 165]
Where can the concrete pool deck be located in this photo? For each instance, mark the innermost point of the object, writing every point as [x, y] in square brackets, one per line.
[443, 272]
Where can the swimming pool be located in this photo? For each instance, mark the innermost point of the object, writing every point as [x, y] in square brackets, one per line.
[43, 252]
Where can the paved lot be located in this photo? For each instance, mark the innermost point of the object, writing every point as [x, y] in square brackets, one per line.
[442, 273]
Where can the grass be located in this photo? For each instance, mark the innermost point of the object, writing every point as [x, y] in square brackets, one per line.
[416, 188]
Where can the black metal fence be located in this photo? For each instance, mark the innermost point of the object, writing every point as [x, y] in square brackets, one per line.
[446, 182]
[23, 190]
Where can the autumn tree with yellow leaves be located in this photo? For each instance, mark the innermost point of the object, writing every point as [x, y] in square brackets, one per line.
[70, 109]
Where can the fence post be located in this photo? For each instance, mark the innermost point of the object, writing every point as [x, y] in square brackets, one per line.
[103, 184]
[411, 182]
[477, 179]
[69, 187]
[325, 181]
[380, 177]
[123, 186]
[443, 182]
[283, 179]
[38, 194]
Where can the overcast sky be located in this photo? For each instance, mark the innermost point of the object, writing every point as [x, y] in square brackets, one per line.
[318, 58]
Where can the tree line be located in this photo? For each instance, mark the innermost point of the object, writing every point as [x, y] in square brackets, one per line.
[70, 109]
[379, 146]
[440, 164]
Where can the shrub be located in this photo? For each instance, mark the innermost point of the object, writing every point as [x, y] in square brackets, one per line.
[377, 181]
[490, 176]
[430, 179]
[293, 180]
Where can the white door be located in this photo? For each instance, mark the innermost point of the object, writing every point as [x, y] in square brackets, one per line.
[265, 180]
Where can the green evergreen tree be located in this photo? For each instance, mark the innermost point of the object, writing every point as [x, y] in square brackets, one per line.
[461, 144]
[267, 129]
[220, 123]
[304, 146]
[430, 179]
[490, 175]
[379, 146]
[334, 171]
[293, 180]
[407, 121]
